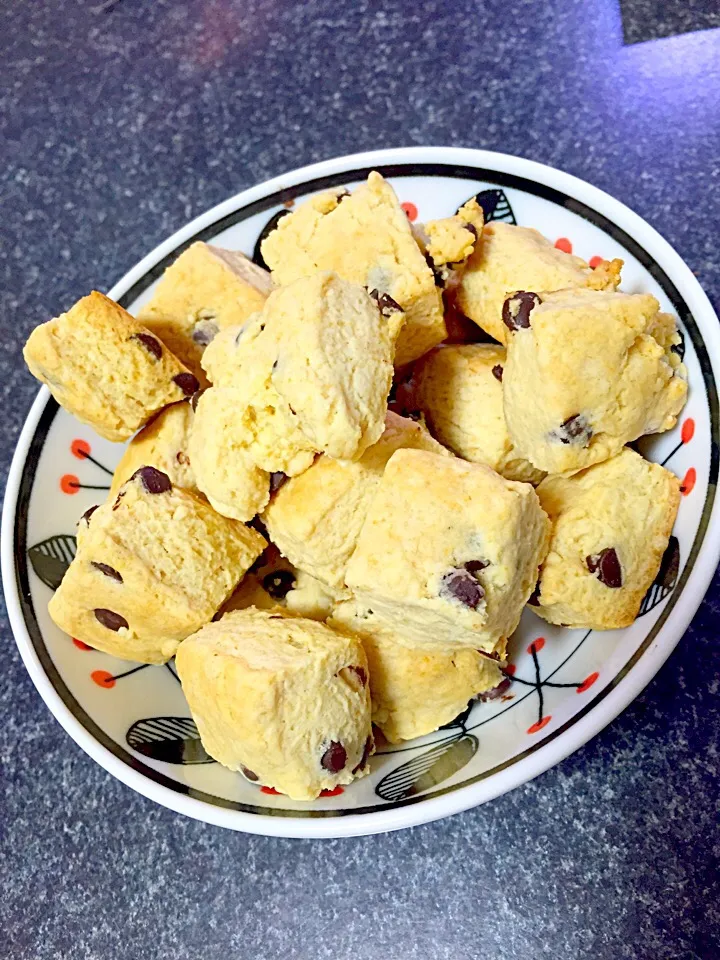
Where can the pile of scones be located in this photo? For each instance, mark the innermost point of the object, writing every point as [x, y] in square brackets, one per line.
[357, 468]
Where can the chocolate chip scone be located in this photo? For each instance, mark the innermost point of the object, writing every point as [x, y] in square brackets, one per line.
[459, 389]
[151, 567]
[205, 290]
[587, 372]
[449, 243]
[105, 368]
[509, 258]
[417, 688]
[610, 528]
[282, 699]
[364, 237]
[315, 518]
[162, 443]
[310, 374]
[449, 551]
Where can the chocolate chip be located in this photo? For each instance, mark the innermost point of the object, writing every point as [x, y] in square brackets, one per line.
[534, 598]
[497, 372]
[439, 282]
[279, 583]
[517, 308]
[367, 750]
[187, 383]
[472, 228]
[154, 480]
[607, 566]
[88, 513]
[475, 566]
[182, 458]
[107, 570]
[250, 774]
[496, 692]
[489, 656]
[205, 332]
[462, 585]
[194, 399]
[110, 619]
[343, 195]
[118, 499]
[151, 344]
[277, 480]
[361, 674]
[574, 430]
[385, 303]
[334, 758]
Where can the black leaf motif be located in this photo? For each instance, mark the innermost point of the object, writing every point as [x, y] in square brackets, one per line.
[666, 577]
[461, 719]
[51, 558]
[170, 739]
[257, 256]
[495, 206]
[430, 768]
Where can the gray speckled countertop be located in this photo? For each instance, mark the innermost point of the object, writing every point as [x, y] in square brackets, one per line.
[118, 125]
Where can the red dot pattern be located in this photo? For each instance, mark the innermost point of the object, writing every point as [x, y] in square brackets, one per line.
[562, 243]
[539, 725]
[536, 646]
[80, 645]
[69, 484]
[588, 682]
[335, 792]
[103, 679]
[411, 210]
[595, 261]
[80, 449]
[688, 430]
[689, 480]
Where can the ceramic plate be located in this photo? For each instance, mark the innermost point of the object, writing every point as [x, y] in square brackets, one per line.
[566, 684]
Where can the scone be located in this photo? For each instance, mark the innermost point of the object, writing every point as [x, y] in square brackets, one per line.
[587, 372]
[509, 258]
[151, 567]
[274, 582]
[449, 551]
[449, 243]
[364, 237]
[163, 443]
[310, 374]
[282, 699]
[459, 389]
[315, 518]
[105, 368]
[610, 528]
[205, 290]
[417, 688]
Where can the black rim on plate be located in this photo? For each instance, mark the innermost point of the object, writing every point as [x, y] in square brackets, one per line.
[482, 177]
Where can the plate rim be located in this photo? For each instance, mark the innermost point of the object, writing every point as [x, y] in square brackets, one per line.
[582, 728]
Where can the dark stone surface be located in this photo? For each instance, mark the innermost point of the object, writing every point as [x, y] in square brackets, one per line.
[651, 19]
[118, 126]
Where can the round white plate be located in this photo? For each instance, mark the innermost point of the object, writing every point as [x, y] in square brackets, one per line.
[568, 684]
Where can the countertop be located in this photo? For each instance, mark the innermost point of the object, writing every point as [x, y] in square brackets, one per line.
[120, 121]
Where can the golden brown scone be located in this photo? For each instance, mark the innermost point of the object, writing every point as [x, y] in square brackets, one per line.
[151, 568]
[105, 368]
[364, 237]
[610, 528]
[508, 258]
[588, 371]
[205, 290]
[459, 390]
[449, 551]
[162, 443]
[315, 518]
[283, 699]
[417, 688]
[310, 374]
